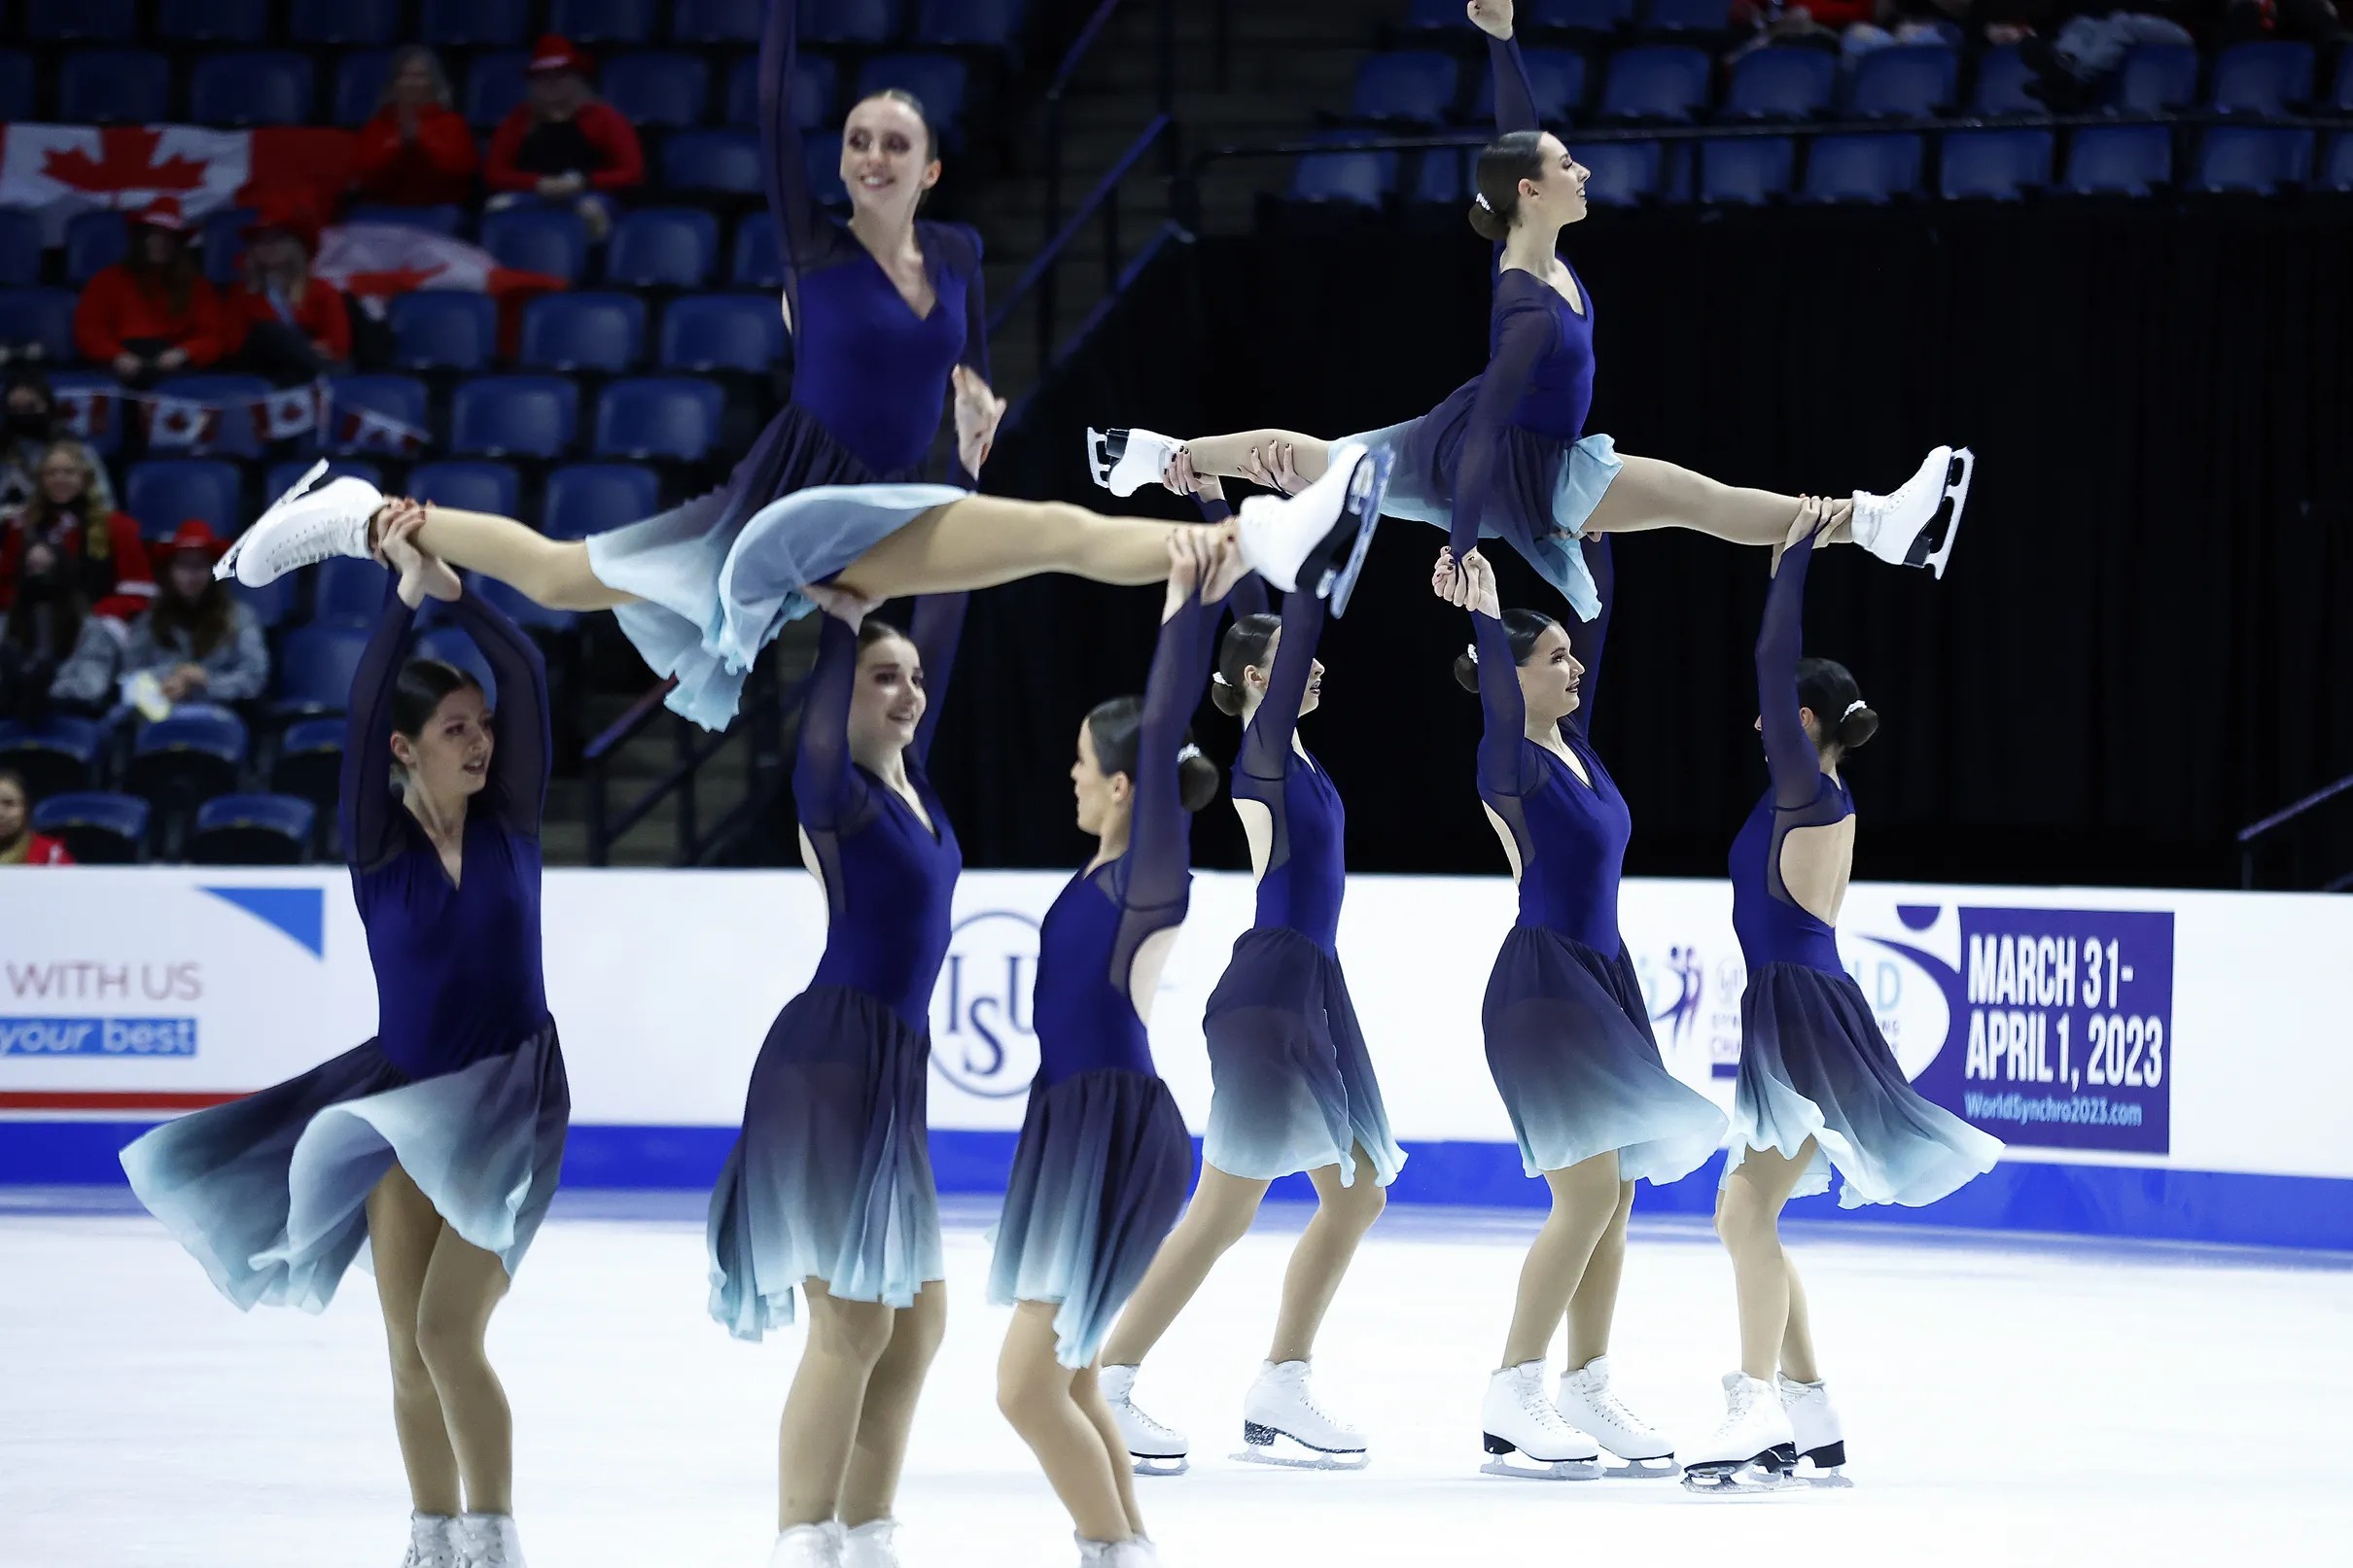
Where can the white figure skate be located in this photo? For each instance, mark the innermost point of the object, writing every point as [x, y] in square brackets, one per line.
[1518, 1417]
[1157, 1449]
[1814, 1422]
[1918, 524]
[1588, 1403]
[1317, 538]
[1125, 461]
[1282, 1424]
[303, 528]
[1752, 1451]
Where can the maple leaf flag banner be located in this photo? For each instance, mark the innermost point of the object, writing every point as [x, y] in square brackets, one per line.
[59, 172]
[376, 261]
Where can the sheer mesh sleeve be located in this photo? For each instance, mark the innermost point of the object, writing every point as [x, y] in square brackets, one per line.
[975, 357]
[939, 624]
[1526, 333]
[1586, 641]
[371, 834]
[1266, 744]
[1505, 769]
[1797, 768]
[520, 761]
[826, 788]
[1157, 870]
[1515, 97]
[804, 235]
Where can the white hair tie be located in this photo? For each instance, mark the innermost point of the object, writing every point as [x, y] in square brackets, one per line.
[1852, 709]
[1218, 679]
[1484, 205]
[1187, 754]
[1471, 652]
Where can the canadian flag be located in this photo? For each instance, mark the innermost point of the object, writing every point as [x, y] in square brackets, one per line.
[61, 172]
[363, 430]
[374, 262]
[85, 411]
[181, 422]
[296, 411]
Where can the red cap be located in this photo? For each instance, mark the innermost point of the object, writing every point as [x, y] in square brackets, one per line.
[287, 216]
[193, 535]
[556, 52]
[163, 213]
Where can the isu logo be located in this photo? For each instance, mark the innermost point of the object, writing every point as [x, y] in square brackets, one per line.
[984, 1038]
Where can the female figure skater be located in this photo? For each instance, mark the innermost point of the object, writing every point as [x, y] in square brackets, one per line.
[1294, 1085]
[888, 315]
[1506, 456]
[1099, 1173]
[434, 1145]
[828, 1189]
[1568, 1035]
[1818, 1088]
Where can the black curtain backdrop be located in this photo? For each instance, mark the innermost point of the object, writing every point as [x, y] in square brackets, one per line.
[2143, 643]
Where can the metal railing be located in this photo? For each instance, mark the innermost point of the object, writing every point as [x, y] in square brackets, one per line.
[1037, 282]
[2254, 833]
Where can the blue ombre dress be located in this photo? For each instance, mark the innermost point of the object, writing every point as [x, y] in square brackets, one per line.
[830, 1176]
[1568, 1036]
[1293, 1082]
[1506, 454]
[719, 576]
[1104, 1162]
[1813, 1060]
[463, 1085]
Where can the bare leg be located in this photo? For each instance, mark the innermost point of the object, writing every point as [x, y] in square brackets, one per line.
[1797, 1339]
[1219, 1216]
[553, 572]
[820, 1426]
[1748, 1218]
[1087, 1390]
[1083, 1462]
[463, 1286]
[1343, 1214]
[1585, 1203]
[1649, 494]
[983, 541]
[1223, 455]
[1595, 1302]
[889, 1412]
[402, 1230]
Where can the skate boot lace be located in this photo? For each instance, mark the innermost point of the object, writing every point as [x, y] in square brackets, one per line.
[1743, 1399]
[1605, 1400]
[1151, 1428]
[1546, 1413]
[1307, 1398]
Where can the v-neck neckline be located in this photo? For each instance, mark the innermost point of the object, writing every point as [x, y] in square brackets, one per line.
[1576, 308]
[893, 283]
[1584, 781]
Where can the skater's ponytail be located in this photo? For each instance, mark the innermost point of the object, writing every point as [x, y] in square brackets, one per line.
[1116, 727]
[1242, 650]
[1521, 628]
[1502, 165]
[1842, 718]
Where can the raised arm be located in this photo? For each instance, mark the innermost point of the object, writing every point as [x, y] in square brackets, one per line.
[801, 227]
[1266, 744]
[1586, 641]
[975, 357]
[1515, 95]
[1526, 334]
[520, 760]
[939, 624]
[1796, 766]
[827, 789]
[1505, 767]
[1160, 843]
[365, 808]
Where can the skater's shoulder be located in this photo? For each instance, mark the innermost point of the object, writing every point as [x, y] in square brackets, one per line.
[957, 246]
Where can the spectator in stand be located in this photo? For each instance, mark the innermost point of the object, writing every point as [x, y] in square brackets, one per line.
[417, 152]
[2075, 62]
[2313, 22]
[290, 325]
[199, 642]
[54, 656]
[563, 144]
[100, 546]
[19, 845]
[150, 314]
[30, 423]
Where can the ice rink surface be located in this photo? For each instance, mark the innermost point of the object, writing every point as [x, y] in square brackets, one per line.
[2005, 1402]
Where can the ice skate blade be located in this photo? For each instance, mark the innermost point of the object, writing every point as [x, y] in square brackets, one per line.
[1153, 1464]
[1266, 1445]
[1641, 1469]
[1766, 1472]
[1934, 546]
[1108, 451]
[1559, 1470]
[1366, 488]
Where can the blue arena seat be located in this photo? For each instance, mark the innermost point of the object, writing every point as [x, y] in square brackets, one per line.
[1576, 15]
[262, 86]
[16, 98]
[978, 24]
[55, 755]
[1904, 81]
[1621, 173]
[1745, 171]
[1994, 165]
[538, 240]
[440, 220]
[451, 646]
[1656, 82]
[372, 23]
[1412, 88]
[2336, 171]
[602, 332]
[658, 417]
[816, 80]
[755, 260]
[310, 765]
[1443, 18]
[114, 87]
[602, 21]
[253, 830]
[475, 23]
[1862, 168]
[724, 161]
[1687, 17]
[820, 159]
[664, 248]
[346, 590]
[196, 753]
[81, 21]
[400, 397]
[19, 249]
[468, 486]
[443, 330]
[849, 21]
[2252, 158]
[1781, 83]
[657, 88]
[2002, 75]
[494, 86]
[1442, 176]
[281, 478]
[359, 85]
[518, 607]
[722, 331]
[163, 493]
[93, 242]
[2156, 77]
[317, 662]
[99, 828]
[212, 21]
[717, 21]
[2119, 161]
[2271, 78]
[590, 498]
[940, 83]
[527, 416]
[2340, 96]
[1344, 179]
[272, 604]
[1557, 78]
[42, 316]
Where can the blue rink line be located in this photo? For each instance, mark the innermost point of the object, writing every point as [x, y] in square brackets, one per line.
[2125, 1203]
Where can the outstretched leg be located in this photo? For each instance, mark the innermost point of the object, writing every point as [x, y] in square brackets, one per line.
[1648, 494]
[552, 571]
[1082, 1457]
[1749, 1219]
[984, 541]
[1585, 1204]
[1219, 1216]
[1228, 457]
[1343, 1214]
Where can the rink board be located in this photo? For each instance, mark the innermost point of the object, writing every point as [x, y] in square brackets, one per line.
[2171, 1065]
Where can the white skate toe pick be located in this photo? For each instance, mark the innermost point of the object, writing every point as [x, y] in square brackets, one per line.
[1317, 538]
[1157, 1449]
[1282, 1424]
[1125, 461]
[1752, 1451]
[303, 528]
[1588, 1403]
[1517, 1418]
[1918, 524]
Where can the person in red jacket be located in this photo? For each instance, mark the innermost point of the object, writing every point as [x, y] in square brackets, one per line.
[19, 845]
[289, 325]
[418, 151]
[150, 314]
[563, 144]
[102, 546]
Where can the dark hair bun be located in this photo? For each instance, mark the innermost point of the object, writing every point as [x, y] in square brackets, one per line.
[1856, 727]
[1196, 782]
[1466, 671]
[1226, 699]
[1486, 225]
